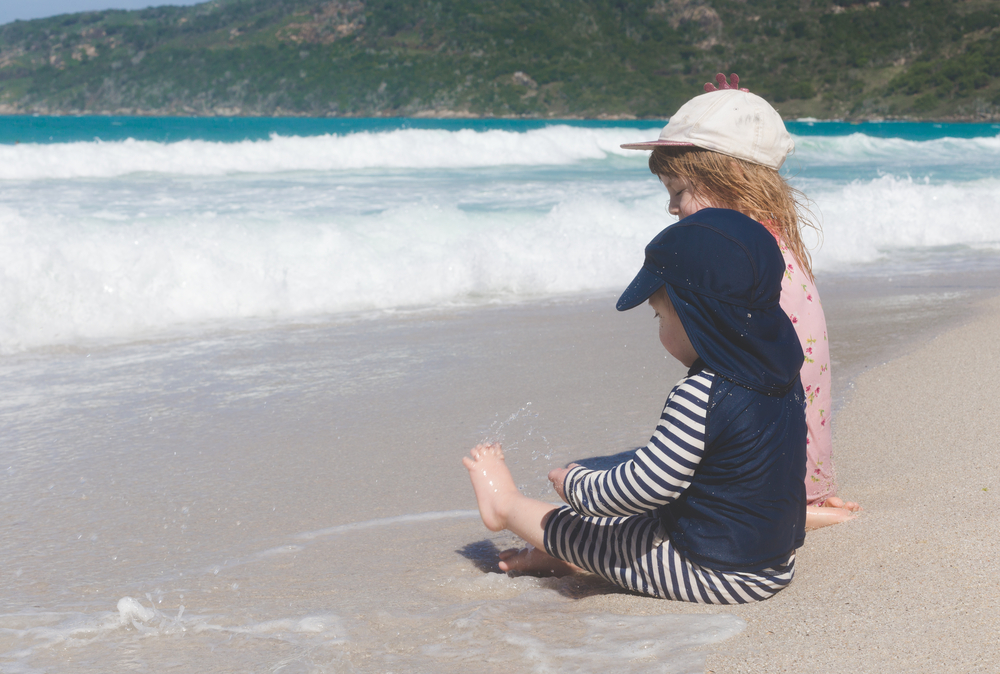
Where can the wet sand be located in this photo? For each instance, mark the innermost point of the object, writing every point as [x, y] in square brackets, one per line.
[293, 496]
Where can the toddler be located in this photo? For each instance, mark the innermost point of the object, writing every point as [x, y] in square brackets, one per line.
[713, 508]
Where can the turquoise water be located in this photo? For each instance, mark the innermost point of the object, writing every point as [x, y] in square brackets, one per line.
[62, 129]
[65, 129]
[918, 131]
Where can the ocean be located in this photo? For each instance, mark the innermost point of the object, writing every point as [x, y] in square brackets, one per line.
[121, 228]
[155, 225]
[243, 357]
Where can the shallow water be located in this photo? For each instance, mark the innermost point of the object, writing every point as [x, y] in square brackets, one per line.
[292, 499]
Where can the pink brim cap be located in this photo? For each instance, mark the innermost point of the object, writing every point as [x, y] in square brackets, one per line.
[650, 144]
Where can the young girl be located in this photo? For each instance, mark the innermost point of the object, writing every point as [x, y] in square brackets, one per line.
[713, 508]
[723, 149]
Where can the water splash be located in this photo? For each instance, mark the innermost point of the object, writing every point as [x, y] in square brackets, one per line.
[515, 429]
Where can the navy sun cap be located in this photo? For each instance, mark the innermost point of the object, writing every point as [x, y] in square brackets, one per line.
[722, 271]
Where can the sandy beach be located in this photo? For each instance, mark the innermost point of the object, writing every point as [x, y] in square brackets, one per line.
[911, 585]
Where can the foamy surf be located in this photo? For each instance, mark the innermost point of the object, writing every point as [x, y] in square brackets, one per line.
[486, 631]
[556, 145]
[527, 624]
[401, 149]
[139, 625]
[136, 239]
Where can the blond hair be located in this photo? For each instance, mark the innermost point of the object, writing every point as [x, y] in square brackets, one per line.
[754, 190]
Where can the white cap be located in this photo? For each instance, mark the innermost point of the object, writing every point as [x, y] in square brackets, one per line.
[732, 122]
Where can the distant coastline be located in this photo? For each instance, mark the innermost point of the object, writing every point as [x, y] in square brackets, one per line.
[521, 60]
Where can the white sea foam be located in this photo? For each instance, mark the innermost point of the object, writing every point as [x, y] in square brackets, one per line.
[406, 148]
[478, 630]
[119, 240]
[66, 281]
[133, 622]
[864, 219]
[894, 153]
[557, 145]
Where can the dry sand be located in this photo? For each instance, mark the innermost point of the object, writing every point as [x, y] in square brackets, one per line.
[913, 584]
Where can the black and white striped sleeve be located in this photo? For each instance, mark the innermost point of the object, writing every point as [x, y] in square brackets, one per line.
[661, 470]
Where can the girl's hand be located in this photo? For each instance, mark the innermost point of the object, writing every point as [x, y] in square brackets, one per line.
[557, 476]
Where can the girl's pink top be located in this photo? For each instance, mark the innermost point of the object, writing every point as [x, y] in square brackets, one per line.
[801, 302]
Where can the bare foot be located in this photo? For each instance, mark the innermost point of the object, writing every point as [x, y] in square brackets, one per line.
[535, 562]
[837, 502]
[493, 483]
[834, 511]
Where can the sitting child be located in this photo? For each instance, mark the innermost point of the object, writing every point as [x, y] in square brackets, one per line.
[723, 149]
[713, 508]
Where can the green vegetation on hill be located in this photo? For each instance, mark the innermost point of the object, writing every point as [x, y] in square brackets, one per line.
[591, 58]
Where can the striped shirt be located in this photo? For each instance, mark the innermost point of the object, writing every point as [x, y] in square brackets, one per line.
[612, 528]
[661, 470]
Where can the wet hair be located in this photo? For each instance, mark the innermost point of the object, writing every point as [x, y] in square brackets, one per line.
[754, 190]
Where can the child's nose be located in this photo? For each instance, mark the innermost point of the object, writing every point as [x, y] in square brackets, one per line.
[674, 207]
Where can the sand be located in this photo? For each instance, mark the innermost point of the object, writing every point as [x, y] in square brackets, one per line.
[911, 585]
[270, 478]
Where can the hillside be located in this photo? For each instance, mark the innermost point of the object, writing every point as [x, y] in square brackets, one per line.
[560, 58]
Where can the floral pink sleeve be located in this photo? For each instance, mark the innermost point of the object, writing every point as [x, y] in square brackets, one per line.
[801, 302]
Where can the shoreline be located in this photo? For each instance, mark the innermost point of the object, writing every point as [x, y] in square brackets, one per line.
[874, 320]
